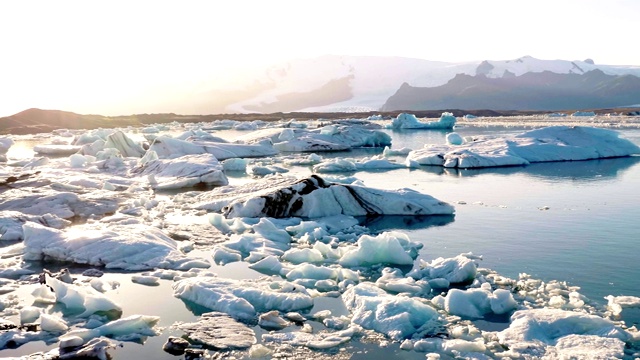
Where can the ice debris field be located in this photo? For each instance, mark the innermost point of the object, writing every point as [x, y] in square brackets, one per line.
[175, 204]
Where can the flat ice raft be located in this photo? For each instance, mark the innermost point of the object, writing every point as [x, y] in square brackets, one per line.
[555, 143]
[314, 197]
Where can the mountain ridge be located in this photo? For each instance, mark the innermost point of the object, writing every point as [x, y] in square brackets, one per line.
[300, 85]
[530, 91]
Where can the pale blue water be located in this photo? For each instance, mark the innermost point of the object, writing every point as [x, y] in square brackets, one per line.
[572, 221]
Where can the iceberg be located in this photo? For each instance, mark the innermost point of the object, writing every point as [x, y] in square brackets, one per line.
[313, 197]
[182, 172]
[121, 142]
[556, 143]
[243, 299]
[127, 328]
[80, 298]
[5, 144]
[135, 247]
[456, 270]
[169, 148]
[386, 248]
[475, 303]
[56, 149]
[409, 121]
[219, 331]
[63, 205]
[397, 317]
[540, 332]
[11, 223]
[350, 165]
[334, 137]
[314, 341]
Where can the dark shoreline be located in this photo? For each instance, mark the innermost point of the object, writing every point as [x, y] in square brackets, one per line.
[34, 121]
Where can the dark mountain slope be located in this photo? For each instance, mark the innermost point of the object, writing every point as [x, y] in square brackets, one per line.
[530, 91]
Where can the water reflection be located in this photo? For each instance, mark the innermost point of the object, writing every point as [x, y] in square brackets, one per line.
[404, 222]
[586, 170]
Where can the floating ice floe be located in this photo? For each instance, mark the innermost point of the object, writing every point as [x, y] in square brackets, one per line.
[131, 328]
[169, 148]
[219, 331]
[77, 298]
[456, 270]
[5, 144]
[395, 152]
[243, 299]
[563, 334]
[475, 303]
[56, 149]
[556, 143]
[335, 137]
[386, 248]
[350, 165]
[409, 121]
[11, 223]
[200, 135]
[314, 341]
[121, 142]
[617, 303]
[397, 317]
[182, 172]
[313, 197]
[135, 247]
[264, 170]
[64, 205]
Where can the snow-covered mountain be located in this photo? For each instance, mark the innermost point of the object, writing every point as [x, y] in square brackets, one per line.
[356, 83]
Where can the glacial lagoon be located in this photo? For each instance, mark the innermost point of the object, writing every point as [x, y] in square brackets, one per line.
[574, 222]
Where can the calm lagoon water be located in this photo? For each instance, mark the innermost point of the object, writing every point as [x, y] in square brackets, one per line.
[577, 222]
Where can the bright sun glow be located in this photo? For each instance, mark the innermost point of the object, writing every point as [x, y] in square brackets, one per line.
[121, 57]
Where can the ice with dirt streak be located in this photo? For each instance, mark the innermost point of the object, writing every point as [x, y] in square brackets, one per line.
[314, 197]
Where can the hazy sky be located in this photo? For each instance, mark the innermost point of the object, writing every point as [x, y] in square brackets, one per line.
[115, 57]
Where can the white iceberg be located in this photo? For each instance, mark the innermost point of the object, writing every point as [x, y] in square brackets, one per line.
[318, 341]
[56, 149]
[409, 121]
[182, 172]
[11, 223]
[538, 332]
[64, 205]
[135, 247]
[127, 147]
[350, 165]
[80, 298]
[5, 144]
[397, 317]
[386, 248]
[335, 137]
[168, 148]
[219, 331]
[475, 303]
[243, 299]
[556, 143]
[459, 269]
[128, 328]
